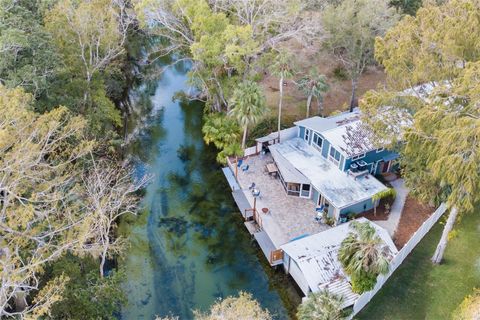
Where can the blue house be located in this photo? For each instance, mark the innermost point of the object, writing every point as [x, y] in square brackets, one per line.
[332, 162]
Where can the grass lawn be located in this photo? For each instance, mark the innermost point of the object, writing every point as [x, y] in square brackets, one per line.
[419, 290]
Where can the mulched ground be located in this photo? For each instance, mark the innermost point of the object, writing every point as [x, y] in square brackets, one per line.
[413, 215]
[380, 215]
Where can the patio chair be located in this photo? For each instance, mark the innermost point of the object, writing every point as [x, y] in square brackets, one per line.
[239, 164]
[245, 168]
[251, 186]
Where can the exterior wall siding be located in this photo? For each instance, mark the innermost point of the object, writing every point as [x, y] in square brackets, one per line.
[315, 195]
[358, 207]
[301, 132]
[325, 148]
[371, 159]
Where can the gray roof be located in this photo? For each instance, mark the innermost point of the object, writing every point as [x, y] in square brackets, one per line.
[323, 124]
[340, 189]
[316, 256]
[287, 170]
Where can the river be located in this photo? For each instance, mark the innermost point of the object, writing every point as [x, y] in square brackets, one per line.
[188, 246]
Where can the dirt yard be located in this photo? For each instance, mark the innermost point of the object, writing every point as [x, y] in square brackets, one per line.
[413, 215]
[338, 96]
[380, 214]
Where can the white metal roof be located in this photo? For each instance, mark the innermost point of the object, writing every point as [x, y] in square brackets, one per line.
[316, 256]
[340, 189]
[284, 135]
[320, 124]
[287, 170]
[350, 139]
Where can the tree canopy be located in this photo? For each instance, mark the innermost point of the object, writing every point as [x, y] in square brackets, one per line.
[351, 27]
[364, 256]
[440, 154]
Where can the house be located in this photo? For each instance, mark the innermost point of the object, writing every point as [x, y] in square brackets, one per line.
[331, 161]
[312, 261]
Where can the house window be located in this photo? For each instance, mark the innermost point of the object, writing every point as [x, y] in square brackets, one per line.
[307, 135]
[317, 141]
[380, 150]
[359, 156]
[334, 155]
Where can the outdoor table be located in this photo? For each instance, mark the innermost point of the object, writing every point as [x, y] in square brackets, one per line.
[272, 168]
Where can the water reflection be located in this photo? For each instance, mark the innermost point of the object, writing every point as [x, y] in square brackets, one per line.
[189, 246]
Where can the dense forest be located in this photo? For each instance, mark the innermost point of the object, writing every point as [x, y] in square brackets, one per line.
[66, 68]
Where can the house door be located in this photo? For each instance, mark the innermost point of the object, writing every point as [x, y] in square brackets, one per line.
[323, 202]
[384, 166]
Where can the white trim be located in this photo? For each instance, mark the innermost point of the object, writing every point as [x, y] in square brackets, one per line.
[309, 191]
[332, 159]
[380, 150]
[316, 146]
[359, 156]
[306, 136]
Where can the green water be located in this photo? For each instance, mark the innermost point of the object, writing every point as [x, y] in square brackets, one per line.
[189, 245]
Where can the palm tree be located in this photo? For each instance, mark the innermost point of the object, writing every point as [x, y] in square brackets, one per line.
[282, 68]
[322, 305]
[364, 256]
[313, 85]
[248, 103]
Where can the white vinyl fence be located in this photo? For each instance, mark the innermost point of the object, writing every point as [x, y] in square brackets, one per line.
[250, 151]
[398, 259]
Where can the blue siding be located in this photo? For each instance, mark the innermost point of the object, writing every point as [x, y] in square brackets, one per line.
[370, 158]
[340, 163]
[330, 210]
[325, 147]
[301, 132]
[315, 194]
[358, 207]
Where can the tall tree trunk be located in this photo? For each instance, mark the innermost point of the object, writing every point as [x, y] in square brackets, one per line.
[320, 105]
[244, 139]
[309, 101]
[442, 244]
[103, 258]
[280, 107]
[354, 90]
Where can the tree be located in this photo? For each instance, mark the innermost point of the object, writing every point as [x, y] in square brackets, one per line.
[322, 305]
[224, 133]
[109, 195]
[88, 36]
[224, 38]
[234, 308]
[27, 55]
[86, 295]
[440, 153]
[50, 203]
[313, 85]
[387, 193]
[282, 68]
[40, 218]
[364, 256]
[248, 103]
[351, 27]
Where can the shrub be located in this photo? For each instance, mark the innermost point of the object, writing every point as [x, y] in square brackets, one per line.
[363, 282]
[340, 73]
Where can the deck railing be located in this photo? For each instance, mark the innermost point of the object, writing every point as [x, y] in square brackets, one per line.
[256, 216]
[276, 255]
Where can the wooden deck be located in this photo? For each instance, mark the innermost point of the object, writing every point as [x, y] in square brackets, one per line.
[242, 203]
[267, 246]
[232, 182]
